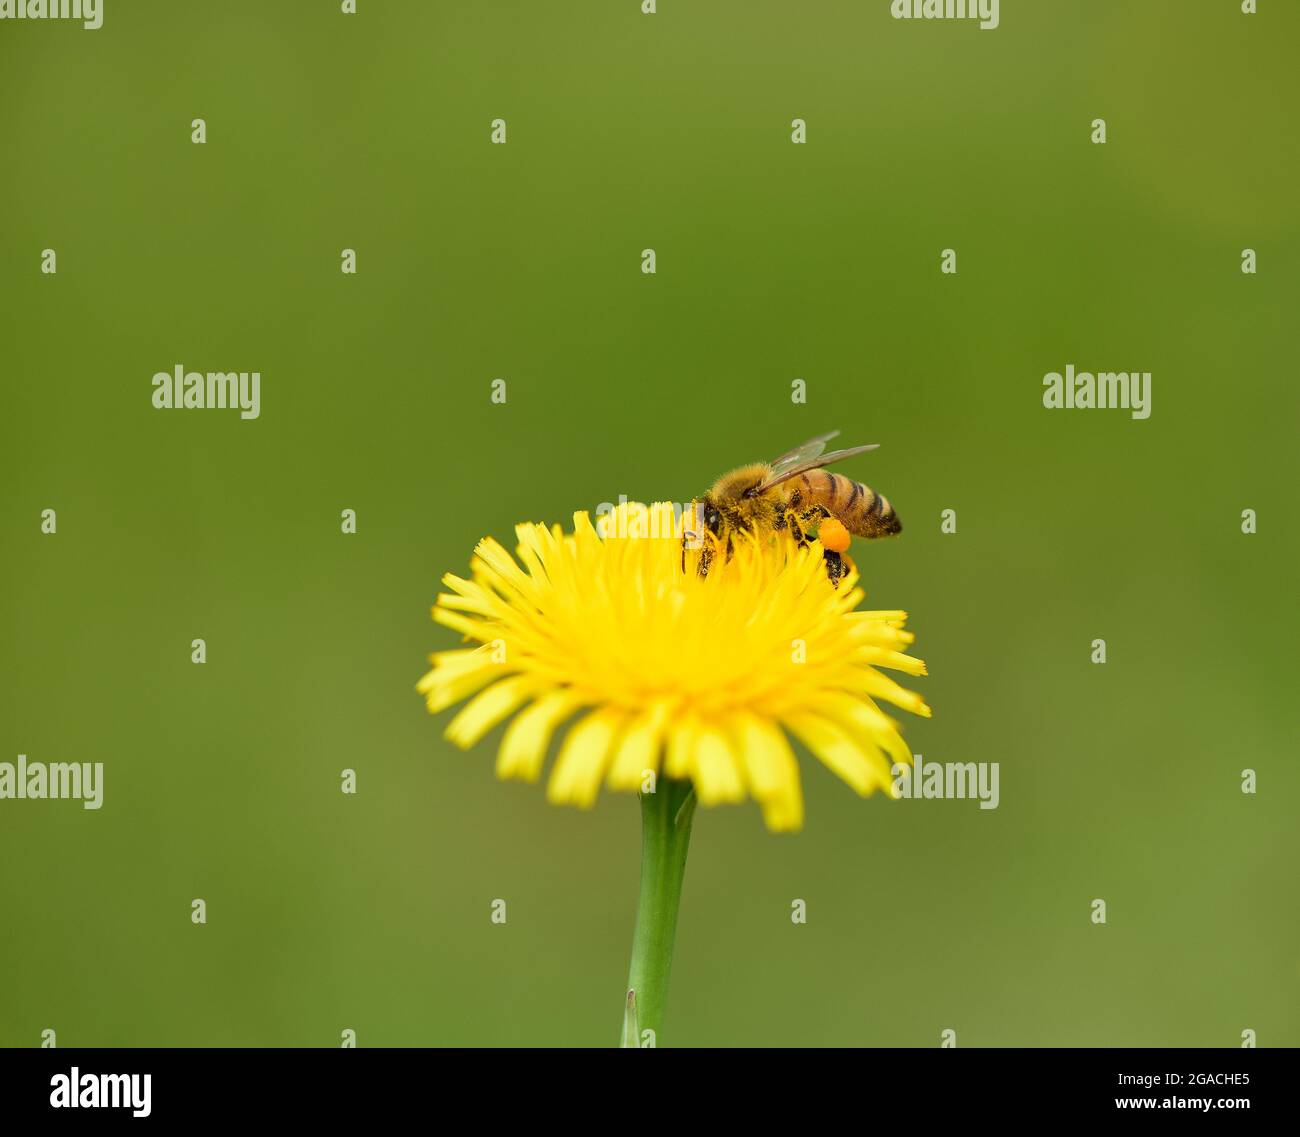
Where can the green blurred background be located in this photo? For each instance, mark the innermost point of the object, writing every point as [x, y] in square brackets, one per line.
[522, 261]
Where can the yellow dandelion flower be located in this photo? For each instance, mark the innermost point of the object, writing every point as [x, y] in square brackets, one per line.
[654, 668]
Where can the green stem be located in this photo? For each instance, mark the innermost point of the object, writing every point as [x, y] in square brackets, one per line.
[666, 817]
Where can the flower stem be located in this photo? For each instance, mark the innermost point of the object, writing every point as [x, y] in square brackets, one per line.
[666, 817]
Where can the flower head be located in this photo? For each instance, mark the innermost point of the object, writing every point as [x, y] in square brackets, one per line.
[656, 668]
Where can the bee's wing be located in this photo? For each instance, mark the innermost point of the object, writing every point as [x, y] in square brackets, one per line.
[815, 462]
[801, 453]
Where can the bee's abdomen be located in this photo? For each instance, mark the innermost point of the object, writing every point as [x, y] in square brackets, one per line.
[864, 512]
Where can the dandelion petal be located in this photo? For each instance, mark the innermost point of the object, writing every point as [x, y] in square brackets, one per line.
[581, 764]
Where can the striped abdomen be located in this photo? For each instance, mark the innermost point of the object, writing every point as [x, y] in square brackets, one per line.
[863, 512]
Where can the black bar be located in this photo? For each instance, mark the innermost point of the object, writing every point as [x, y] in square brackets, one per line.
[211, 1086]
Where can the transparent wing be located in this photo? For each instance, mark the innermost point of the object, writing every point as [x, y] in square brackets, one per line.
[815, 462]
[802, 453]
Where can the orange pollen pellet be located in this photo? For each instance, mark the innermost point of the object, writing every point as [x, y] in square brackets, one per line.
[833, 535]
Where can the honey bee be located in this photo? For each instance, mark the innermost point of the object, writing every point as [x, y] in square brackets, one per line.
[791, 494]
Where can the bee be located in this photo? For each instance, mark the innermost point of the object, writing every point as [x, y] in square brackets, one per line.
[791, 494]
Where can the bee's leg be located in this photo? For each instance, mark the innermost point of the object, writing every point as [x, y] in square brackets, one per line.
[835, 567]
[791, 519]
[706, 559]
[815, 516]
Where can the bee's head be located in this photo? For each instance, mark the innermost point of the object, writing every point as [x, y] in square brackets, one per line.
[710, 516]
